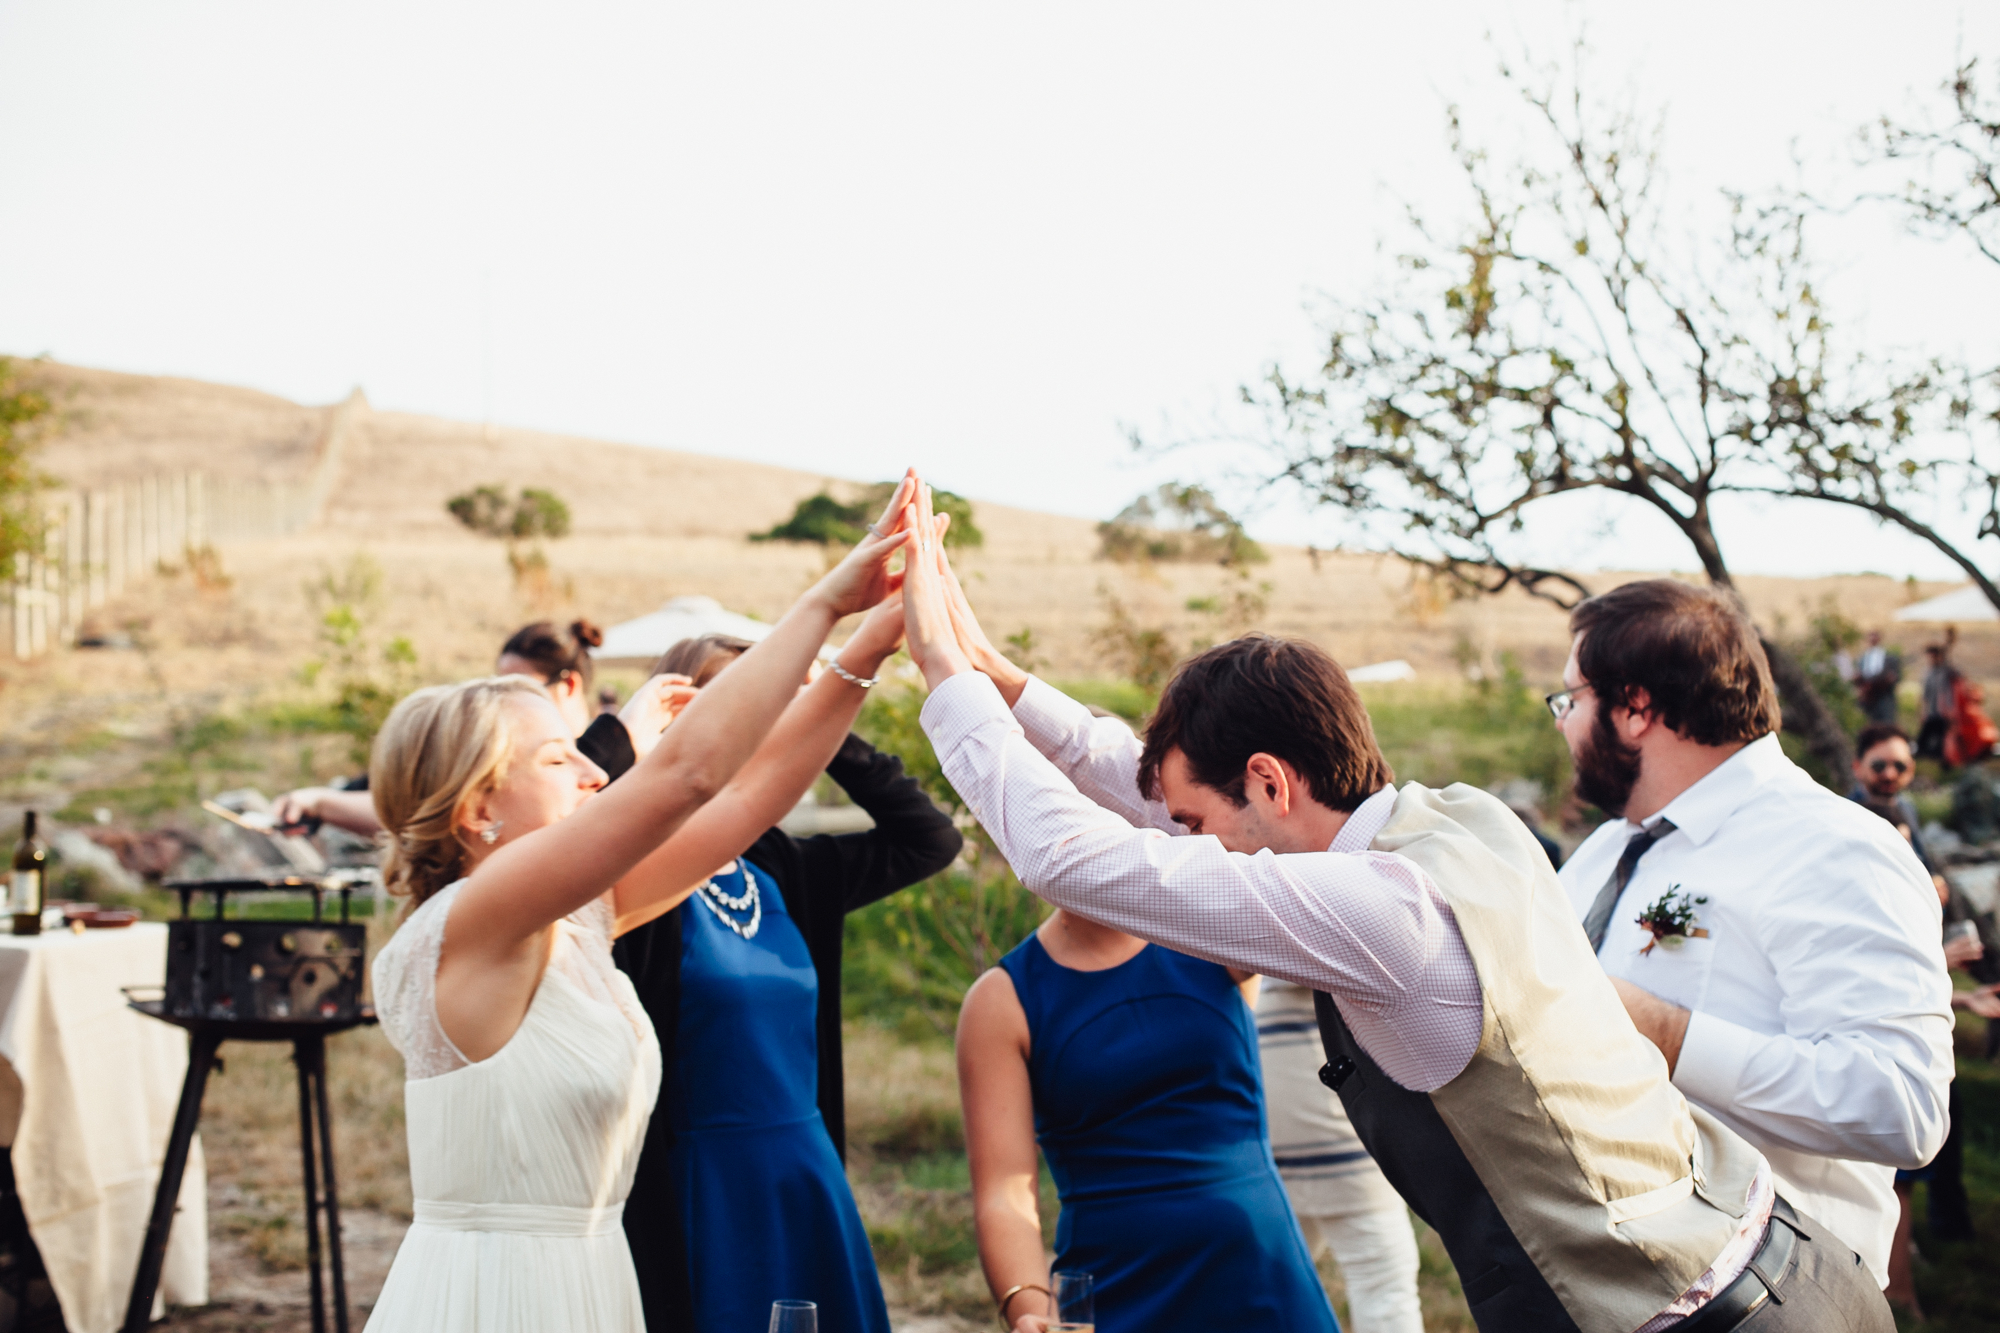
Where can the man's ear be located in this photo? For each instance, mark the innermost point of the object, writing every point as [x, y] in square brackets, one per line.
[1269, 782]
[1638, 710]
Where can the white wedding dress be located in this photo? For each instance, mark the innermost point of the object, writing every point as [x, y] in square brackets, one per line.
[519, 1163]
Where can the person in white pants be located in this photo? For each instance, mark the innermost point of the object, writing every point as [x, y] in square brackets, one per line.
[1343, 1202]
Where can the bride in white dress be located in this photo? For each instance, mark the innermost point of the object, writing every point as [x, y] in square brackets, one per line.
[532, 1068]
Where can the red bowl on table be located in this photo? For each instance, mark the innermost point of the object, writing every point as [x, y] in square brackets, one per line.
[93, 917]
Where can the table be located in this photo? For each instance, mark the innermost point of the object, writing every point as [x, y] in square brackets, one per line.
[88, 1090]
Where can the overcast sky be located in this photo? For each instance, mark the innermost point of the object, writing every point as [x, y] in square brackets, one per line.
[845, 238]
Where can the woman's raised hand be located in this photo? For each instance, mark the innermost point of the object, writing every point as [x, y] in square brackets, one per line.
[880, 634]
[926, 599]
[972, 640]
[863, 579]
[652, 709]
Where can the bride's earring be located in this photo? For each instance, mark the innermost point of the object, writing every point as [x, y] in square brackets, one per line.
[489, 836]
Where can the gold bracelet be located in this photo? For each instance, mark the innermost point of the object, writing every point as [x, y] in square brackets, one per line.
[1014, 1291]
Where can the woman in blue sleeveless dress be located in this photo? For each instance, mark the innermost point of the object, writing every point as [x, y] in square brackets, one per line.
[1136, 1070]
[762, 1200]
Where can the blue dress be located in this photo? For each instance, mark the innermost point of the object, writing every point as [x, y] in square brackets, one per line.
[764, 1204]
[1149, 1107]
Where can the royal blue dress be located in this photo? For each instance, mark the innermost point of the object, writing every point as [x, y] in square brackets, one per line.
[1149, 1107]
[765, 1206]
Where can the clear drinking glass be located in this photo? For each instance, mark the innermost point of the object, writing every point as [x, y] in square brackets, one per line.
[1075, 1302]
[794, 1317]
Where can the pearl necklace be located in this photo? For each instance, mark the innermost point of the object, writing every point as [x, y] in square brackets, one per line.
[722, 904]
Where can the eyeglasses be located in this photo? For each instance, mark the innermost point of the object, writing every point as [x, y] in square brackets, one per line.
[1881, 766]
[1562, 701]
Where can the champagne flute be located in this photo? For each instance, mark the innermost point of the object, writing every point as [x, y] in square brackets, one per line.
[1075, 1302]
[794, 1317]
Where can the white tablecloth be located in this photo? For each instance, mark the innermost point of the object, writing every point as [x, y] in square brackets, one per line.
[87, 1098]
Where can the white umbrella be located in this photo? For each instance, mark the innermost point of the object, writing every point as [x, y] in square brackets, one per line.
[640, 642]
[1967, 603]
[1376, 673]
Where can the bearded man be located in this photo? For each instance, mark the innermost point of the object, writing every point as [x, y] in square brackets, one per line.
[1777, 942]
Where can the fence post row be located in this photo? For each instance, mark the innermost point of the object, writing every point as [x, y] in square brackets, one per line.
[96, 544]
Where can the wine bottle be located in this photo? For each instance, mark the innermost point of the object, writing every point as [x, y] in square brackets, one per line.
[30, 863]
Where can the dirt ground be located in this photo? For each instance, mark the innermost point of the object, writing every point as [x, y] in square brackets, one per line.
[246, 1296]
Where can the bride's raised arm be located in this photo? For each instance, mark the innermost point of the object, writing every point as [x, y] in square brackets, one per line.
[483, 782]
[525, 884]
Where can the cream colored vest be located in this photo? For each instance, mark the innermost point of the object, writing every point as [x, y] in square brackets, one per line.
[1621, 1193]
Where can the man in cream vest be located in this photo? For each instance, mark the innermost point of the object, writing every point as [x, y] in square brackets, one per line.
[1479, 1049]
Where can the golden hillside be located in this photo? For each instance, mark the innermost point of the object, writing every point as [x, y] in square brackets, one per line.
[651, 524]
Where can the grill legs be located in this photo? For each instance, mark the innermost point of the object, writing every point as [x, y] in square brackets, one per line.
[309, 1054]
[201, 1058]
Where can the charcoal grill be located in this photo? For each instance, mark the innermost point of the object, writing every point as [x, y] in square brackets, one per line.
[232, 979]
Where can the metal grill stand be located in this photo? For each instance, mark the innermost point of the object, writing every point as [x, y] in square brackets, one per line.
[224, 1020]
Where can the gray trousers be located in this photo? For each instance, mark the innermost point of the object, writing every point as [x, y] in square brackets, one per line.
[1824, 1289]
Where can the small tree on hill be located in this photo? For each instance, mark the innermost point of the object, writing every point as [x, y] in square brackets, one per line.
[821, 520]
[1177, 522]
[522, 523]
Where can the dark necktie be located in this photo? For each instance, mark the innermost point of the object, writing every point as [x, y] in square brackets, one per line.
[1599, 919]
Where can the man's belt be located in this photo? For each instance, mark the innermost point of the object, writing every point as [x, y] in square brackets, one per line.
[1758, 1282]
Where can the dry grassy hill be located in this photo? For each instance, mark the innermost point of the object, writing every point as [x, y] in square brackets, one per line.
[652, 524]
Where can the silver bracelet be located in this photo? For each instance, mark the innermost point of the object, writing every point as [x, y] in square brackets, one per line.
[850, 677]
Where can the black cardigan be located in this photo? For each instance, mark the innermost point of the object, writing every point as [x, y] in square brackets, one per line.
[822, 878]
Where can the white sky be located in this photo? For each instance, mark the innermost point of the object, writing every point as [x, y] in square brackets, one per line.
[845, 238]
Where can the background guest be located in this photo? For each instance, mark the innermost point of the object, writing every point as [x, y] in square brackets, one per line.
[1884, 767]
[560, 660]
[1777, 943]
[1135, 1068]
[1939, 700]
[1344, 1203]
[1877, 673]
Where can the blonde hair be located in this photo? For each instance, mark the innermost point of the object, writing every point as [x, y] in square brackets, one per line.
[441, 749]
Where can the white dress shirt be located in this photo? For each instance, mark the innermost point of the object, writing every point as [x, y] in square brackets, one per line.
[1368, 928]
[1821, 1021]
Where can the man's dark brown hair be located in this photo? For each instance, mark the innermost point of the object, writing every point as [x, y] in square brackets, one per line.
[1692, 650]
[1281, 697]
[1875, 733]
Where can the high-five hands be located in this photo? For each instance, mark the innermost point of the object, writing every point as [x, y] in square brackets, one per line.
[927, 620]
[945, 637]
[863, 579]
[972, 640]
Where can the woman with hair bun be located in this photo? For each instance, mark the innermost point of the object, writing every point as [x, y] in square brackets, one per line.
[531, 1066]
[560, 660]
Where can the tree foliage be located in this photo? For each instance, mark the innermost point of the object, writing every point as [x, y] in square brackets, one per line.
[1952, 187]
[821, 520]
[1948, 157]
[534, 513]
[1566, 341]
[21, 482]
[1177, 522]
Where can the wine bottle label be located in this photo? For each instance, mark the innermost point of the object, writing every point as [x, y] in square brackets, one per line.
[27, 891]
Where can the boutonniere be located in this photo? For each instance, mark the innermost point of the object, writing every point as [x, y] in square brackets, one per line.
[1671, 920]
